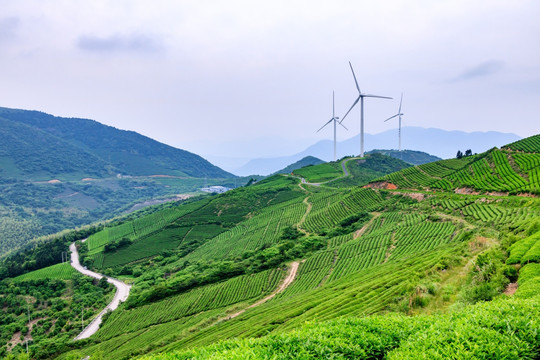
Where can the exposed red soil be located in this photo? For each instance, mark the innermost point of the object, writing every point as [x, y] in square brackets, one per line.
[381, 185]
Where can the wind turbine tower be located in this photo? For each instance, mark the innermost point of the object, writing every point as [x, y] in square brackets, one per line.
[399, 115]
[360, 98]
[335, 120]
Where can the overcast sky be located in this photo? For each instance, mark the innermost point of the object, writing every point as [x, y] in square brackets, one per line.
[205, 75]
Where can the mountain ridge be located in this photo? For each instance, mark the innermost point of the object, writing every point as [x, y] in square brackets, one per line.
[113, 150]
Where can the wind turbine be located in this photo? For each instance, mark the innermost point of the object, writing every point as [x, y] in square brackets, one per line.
[360, 98]
[399, 114]
[335, 120]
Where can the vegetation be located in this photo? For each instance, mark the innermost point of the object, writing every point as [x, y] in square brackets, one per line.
[306, 161]
[70, 147]
[415, 272]
[58, 173]
[320, 173]
[409, 156]
[47, 308]
[494, 171]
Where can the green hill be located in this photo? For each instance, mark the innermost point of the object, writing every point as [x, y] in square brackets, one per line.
[409, 156]
[40, 146]
[512, 169]
[58, 173]
[308, 160]
[373, 272]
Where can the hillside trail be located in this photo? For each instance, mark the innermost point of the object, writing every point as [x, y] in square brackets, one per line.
[121, 295]
[309, 205]
[343, 167]
[288, 281]
[362, 230]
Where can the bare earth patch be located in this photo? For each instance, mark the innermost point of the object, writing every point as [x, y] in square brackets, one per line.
[415, 196]
[467, 191]
[511, 289]
[381, 185]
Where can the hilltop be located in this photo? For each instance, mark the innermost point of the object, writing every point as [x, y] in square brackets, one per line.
[307, 161]
[40, 146]
[409, 156]
[335, 259]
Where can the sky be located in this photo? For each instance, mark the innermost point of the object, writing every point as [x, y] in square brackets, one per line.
[255, 78]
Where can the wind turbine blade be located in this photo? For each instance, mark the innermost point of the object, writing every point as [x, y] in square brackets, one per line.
[391, 117]
[355, 81]
[343, 126]
[329, 121]
[400, 101]
[376, 96]
[353, 105]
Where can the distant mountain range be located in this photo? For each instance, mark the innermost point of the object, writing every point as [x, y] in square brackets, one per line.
[39, 146]
[441, 143]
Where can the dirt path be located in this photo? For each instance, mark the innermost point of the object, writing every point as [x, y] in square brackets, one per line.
[361, 231]
[343, 167]
[303, 219]
[288, 281]
[511, 289]
[390, 248]
[121, 295]
[323, 281]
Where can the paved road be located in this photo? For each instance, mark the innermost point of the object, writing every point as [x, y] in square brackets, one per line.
[122, 293]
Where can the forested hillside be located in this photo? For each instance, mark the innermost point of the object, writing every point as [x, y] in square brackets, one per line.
[409, 156]
[42, 147]
[59, 173]
[375, 269]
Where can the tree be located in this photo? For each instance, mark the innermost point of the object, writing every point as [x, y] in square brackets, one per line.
[459, 154]
[468, 152]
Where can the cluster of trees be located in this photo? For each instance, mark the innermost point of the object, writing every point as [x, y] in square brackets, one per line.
[41, 254]
[459, 154]
[55, 304]
[115, 245]
[348, 225]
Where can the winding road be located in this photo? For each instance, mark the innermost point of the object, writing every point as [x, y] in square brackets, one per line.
[122, 293]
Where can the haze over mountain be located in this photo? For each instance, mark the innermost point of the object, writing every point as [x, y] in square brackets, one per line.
[438, 142]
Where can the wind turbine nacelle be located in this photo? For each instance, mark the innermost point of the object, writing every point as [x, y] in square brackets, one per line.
[337, 118]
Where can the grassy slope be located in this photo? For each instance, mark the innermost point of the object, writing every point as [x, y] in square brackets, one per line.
[398, 263]
[307, 161]
[512, 169]
[505, 328]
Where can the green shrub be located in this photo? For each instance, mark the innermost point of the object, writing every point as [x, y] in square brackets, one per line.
[533, 255]
[520, 248]
[511, 273]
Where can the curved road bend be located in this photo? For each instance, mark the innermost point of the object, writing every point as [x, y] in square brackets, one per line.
[122, 293]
